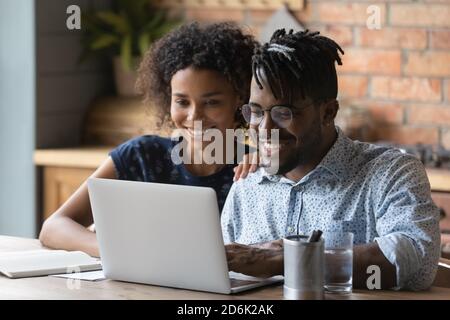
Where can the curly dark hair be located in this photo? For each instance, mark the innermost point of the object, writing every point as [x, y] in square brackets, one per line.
[301, 62]
[222, 47]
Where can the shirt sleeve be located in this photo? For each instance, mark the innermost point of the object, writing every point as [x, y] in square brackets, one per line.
[227, 216]
[407, 222]
[130, 159]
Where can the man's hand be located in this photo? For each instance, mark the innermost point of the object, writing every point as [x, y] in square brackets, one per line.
[275, 244]
[259, 260]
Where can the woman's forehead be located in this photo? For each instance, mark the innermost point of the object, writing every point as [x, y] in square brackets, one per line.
[200, 79]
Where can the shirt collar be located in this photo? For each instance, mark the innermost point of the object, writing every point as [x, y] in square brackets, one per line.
[336, 161]
[339, 157]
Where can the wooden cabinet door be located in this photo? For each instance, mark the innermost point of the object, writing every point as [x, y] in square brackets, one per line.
[59, 184]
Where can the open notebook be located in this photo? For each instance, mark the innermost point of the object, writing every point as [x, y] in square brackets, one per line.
[45, 262]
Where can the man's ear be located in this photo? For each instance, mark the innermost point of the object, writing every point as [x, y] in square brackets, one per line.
[330, 109]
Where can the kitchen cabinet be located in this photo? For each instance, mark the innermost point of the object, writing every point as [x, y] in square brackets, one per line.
[63, 171]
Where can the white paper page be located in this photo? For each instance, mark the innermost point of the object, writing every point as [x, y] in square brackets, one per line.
[35, 260]
[87, 276]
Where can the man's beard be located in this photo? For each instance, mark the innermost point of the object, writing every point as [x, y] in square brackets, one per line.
[311, 141]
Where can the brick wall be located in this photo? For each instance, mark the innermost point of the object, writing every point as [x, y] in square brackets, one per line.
[400, 73]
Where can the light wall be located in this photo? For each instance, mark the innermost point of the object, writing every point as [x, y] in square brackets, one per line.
[65, 87]
[17, 116]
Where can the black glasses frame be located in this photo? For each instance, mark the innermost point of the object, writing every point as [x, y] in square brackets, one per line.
[280, 123]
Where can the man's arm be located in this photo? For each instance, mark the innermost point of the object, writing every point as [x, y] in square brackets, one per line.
[266, 260]
[407, 222]
[366, 255]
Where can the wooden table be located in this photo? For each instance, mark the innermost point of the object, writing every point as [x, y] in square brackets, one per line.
[58, 288]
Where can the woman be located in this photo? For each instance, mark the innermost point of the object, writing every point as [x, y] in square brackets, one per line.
[195, 73]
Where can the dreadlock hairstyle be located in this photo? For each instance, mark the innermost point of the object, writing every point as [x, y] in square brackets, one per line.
[301, 62]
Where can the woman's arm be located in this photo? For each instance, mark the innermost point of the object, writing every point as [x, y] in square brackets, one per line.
[67, 227]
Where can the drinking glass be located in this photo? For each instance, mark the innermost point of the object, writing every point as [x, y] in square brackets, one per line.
[338, 262]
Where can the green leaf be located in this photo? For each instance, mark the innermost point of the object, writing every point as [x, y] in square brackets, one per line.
[104, 41]
[144, 42]
[165, 28]
[157, 19]
[136, 11]
[127, 30]
[84, 56]
[90, 23]
[118, 22]
[125, 53]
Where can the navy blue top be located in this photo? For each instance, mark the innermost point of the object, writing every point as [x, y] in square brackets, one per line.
[148, 158]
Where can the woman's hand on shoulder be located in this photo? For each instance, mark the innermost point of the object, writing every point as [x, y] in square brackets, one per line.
[249, 164]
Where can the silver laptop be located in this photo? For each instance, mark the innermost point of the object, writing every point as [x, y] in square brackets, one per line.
[162, 234]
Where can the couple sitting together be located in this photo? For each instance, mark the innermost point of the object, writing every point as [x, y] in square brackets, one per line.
[324, 180]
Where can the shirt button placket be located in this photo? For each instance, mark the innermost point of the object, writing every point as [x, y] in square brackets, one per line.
[298, 206]
[293, 216]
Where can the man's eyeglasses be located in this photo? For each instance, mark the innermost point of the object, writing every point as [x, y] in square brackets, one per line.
[281, 115]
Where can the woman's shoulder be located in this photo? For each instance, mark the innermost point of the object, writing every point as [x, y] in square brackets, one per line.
[143, 158]
[149, 141]
[149, 147]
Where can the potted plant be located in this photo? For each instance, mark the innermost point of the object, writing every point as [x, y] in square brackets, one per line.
[124, 33]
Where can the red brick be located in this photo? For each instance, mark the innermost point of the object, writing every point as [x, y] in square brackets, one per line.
[214, 15]
[440, 39]
[416, 89]
[306, 15]
[393, 38]
[258, 16]
[408, 135]
[420, 15]
[384, 113]
[429, 63]
[445, 139]
[347, 13]
[352, 86]
[448, 90]
[429, 115]
[342, 35]
[386, 62]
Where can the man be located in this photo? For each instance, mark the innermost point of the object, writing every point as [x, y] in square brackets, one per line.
[325, 180]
